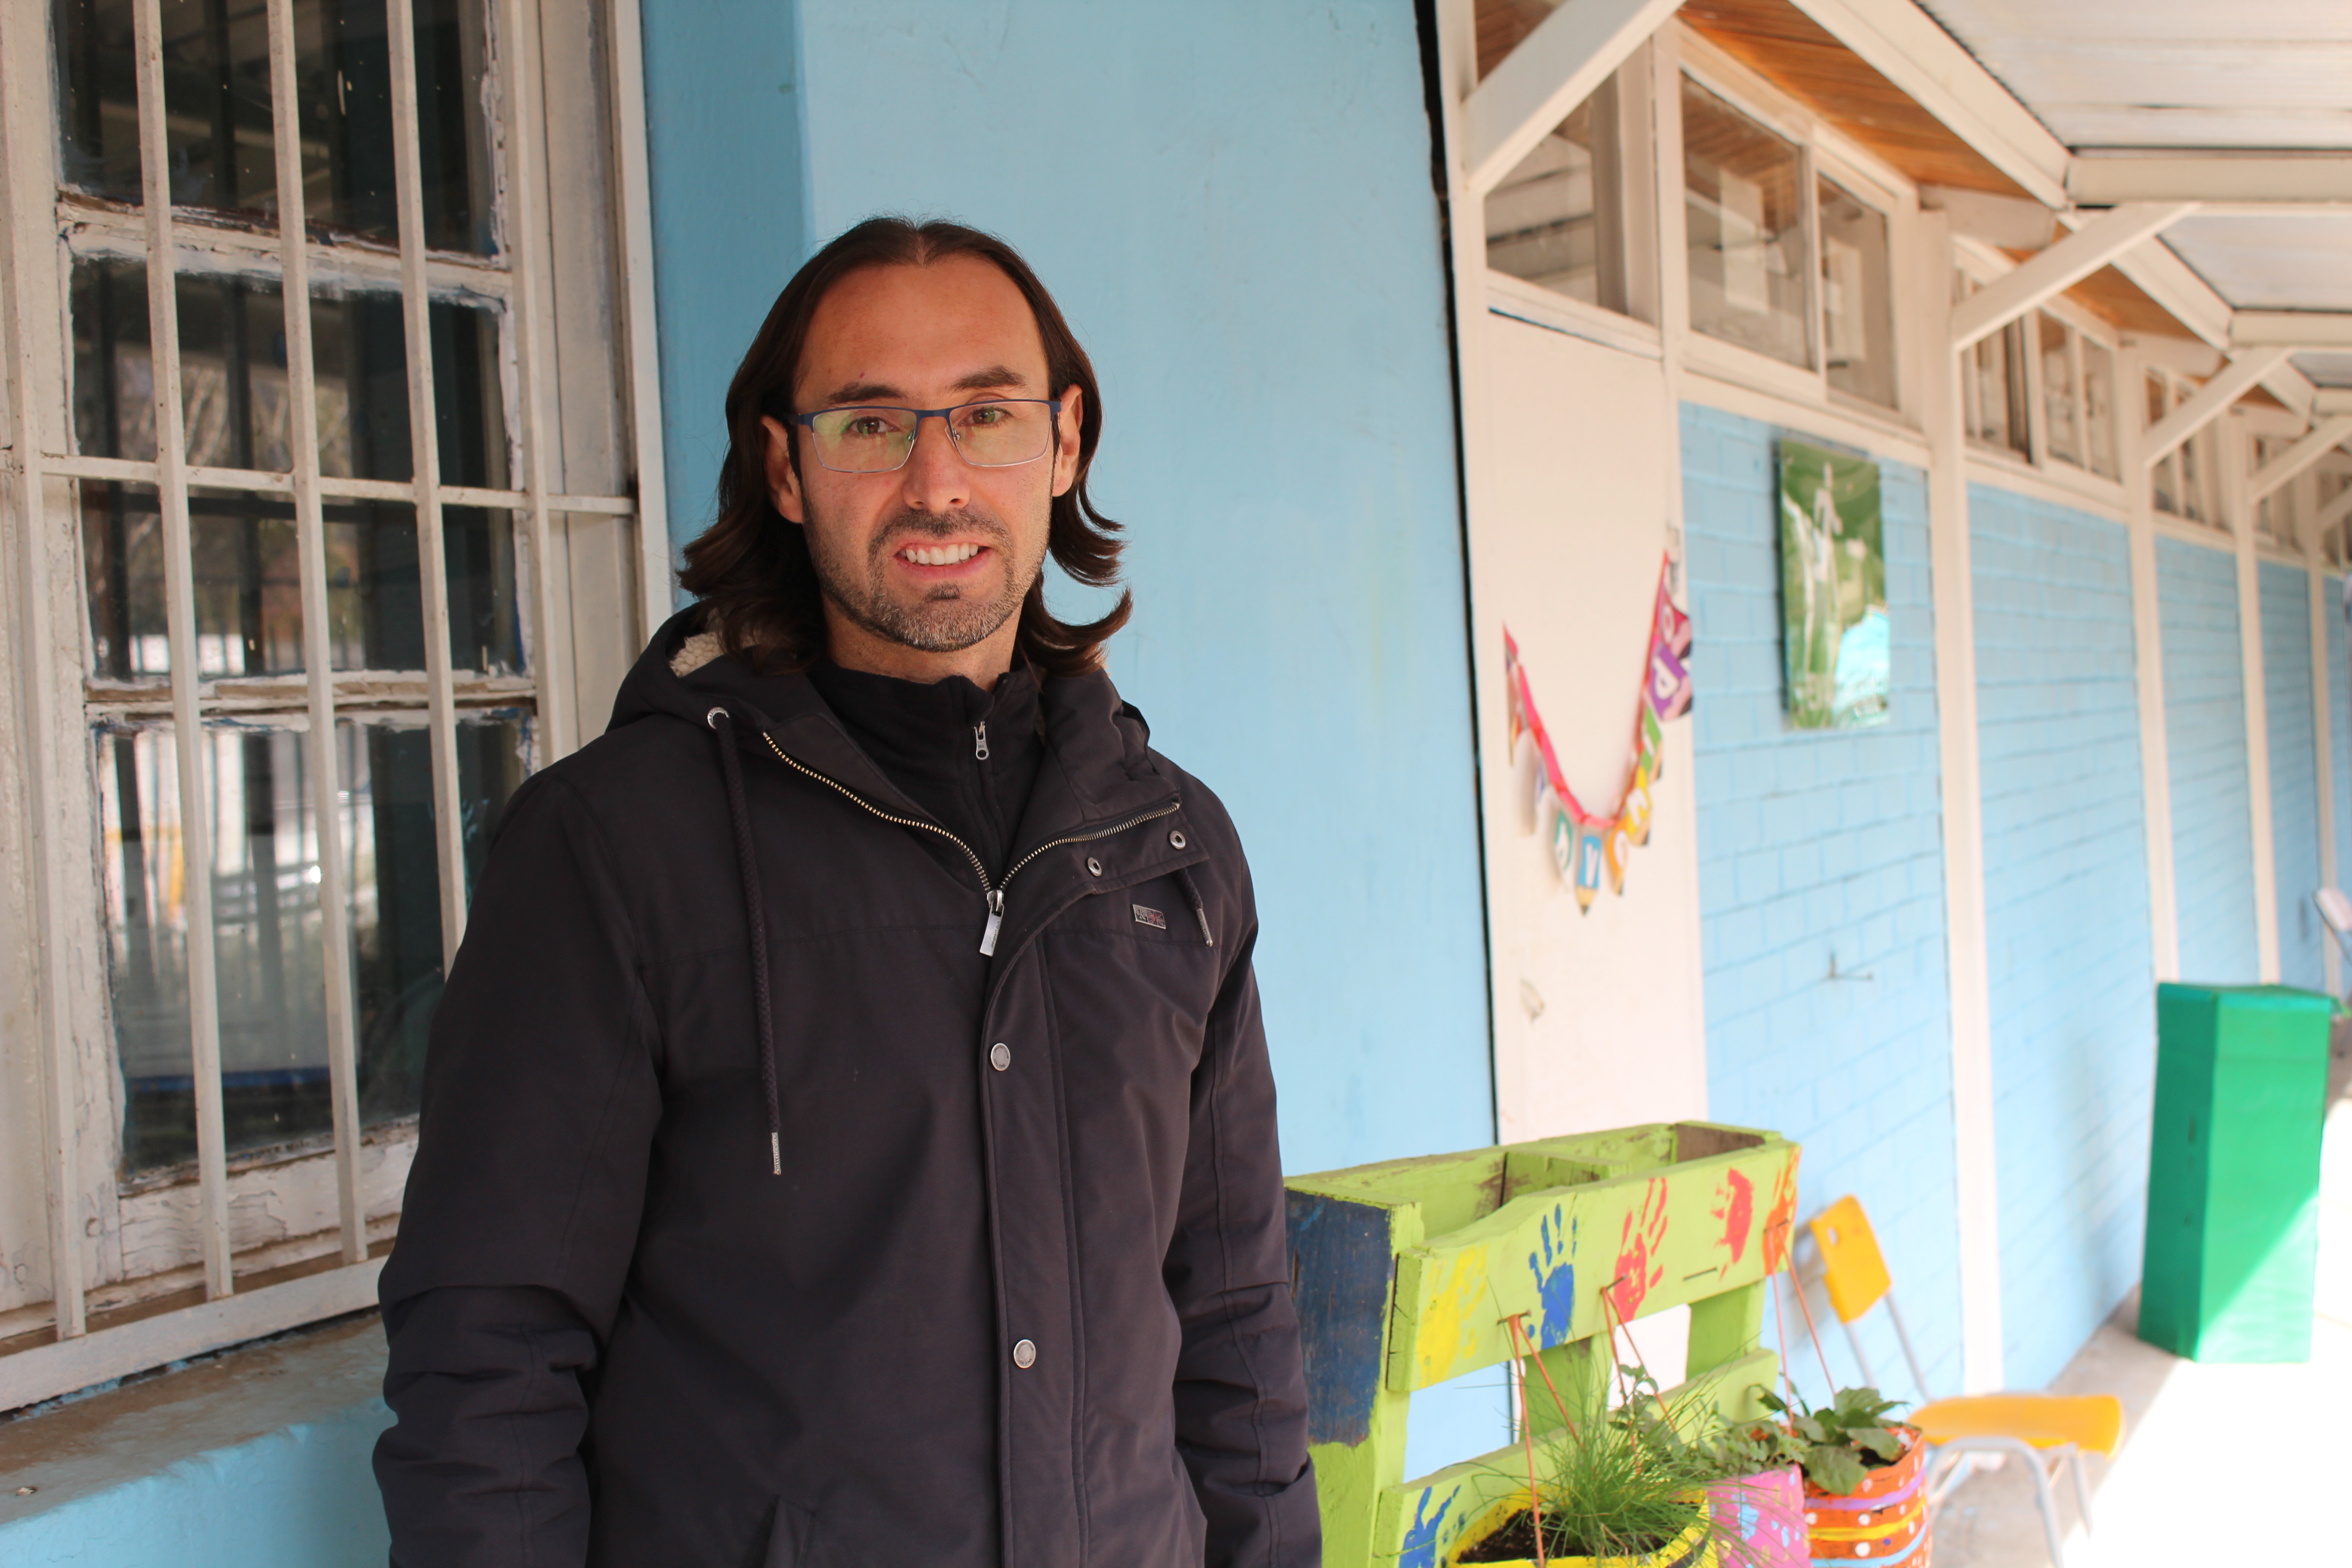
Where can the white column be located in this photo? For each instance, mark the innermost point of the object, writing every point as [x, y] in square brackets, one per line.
[2230, 468]
[2323, 730]
[2147, 647]
[1964, 894]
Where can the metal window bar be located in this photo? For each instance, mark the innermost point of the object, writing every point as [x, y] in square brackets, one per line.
[318, 657]
[180, 625]
[39, 456]
[633, 192]
[518, 50]
[24, 167]
[425, 459]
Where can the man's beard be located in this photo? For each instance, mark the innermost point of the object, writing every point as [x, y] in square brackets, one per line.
[943, 620]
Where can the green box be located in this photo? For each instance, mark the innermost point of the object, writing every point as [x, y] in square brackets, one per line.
[2233, 1171]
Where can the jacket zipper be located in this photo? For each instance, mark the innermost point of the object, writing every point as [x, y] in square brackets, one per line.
[994, 893]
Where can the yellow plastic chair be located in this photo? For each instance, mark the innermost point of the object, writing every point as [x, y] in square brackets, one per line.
[2057, 1427]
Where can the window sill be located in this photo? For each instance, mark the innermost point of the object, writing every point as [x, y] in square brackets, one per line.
[1539, 307]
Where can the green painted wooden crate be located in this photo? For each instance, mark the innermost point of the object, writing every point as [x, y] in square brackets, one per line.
[1407, 1273]
[2232, 1248]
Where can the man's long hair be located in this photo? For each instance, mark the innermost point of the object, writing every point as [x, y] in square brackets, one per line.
[752, 568]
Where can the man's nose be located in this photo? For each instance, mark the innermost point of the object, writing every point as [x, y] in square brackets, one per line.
[936, 477]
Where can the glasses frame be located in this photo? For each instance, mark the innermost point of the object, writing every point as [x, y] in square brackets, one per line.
[808, 422]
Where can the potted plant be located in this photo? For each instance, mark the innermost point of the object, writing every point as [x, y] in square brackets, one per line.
[1865, 1492]
[1650, 1484]
[1619, 1490]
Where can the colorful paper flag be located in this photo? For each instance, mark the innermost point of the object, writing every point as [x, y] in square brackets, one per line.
[1636, 815]
[1590, 856]
[1619, 850]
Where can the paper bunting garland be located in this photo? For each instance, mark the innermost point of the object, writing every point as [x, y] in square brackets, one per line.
[1587, 847]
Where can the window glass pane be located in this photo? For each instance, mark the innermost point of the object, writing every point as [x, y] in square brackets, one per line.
[219, 126]
[2063, 437]
[2099, 406]
[1988, 387]
[2194, 467]
[233, 389]
[1558, 219]
[1857, 297]
[1745, 214]
[266, 922]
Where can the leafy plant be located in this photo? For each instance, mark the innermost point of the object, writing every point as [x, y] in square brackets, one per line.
[1838, 1445]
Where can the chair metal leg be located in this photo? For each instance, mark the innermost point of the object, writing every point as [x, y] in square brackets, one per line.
[2078, 1462]
[2043, 1496]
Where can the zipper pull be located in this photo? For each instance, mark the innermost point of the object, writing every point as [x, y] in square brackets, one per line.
[995, 922]
[980, 742]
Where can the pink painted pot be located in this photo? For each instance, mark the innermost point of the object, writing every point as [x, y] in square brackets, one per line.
[1766, 1514]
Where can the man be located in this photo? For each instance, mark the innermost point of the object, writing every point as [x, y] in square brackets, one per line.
[848, 1138]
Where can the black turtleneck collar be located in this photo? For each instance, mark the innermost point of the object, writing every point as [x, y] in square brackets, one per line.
[927, 738]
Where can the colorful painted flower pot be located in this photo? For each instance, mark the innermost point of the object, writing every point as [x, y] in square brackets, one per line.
[1694, 1549]
[1884, 1519]
[1765, 1514]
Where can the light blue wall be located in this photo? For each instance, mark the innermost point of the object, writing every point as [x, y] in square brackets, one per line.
[2295, 772]
[300, 1496]
[1231, 202]
[1815, 844]
[2205, 736]
[2066, 918]
[2339, 723]
[728, 192]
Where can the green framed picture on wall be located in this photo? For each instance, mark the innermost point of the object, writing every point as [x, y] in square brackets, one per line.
[1833, 625]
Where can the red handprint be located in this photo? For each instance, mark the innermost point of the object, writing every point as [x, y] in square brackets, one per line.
[1637, 1250]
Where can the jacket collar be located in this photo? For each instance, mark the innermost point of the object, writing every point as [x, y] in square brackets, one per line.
[1097, 771]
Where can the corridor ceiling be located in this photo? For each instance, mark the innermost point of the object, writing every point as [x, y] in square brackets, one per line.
[2106, 76]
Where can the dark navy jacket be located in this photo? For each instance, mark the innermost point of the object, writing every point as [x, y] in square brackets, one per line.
[939, 1257]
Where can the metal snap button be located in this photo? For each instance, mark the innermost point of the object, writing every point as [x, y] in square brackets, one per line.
[1176, 841]
[1025, 1355]
[1000, 1056]
[1094, 867]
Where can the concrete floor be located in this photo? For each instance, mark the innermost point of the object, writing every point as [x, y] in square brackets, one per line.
[2200, 1442]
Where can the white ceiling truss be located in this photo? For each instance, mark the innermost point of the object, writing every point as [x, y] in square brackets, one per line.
[2077, 65]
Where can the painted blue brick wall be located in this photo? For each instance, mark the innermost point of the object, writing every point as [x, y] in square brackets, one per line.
[2205, 732]
[2067, 917]
[1814, 844]
[2294, 775]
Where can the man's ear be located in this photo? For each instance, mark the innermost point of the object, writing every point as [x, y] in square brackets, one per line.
[1066, 443]
[784, 479]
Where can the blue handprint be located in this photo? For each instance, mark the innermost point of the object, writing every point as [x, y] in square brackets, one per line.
[1555, 1282]
[1421, 1544]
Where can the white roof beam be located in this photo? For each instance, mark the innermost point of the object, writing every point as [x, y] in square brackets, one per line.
[2170, 176]
[2230, 383]
[2331, 514]
[1907, 46]
[2330, 400]
[1552, 70]
[2299, 457]
[2061, 267]
[2294, 329]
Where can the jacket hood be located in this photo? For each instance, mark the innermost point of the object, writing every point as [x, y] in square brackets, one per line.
[1101, 742]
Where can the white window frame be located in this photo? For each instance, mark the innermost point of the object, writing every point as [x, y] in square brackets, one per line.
[2073, 483]
[1825, 152]
[135, 1273]
[1635, 329]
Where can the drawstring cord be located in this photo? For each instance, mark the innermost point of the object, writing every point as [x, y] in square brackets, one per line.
[748, 868]
[1199, 909]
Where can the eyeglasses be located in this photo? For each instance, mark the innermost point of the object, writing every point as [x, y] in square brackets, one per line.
[999, 433]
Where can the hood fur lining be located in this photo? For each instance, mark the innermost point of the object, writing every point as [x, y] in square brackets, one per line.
[694, 653]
